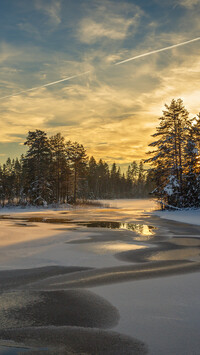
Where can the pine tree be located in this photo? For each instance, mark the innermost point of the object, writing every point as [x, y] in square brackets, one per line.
[168, 158]
[8, 180]
[77, 157]
[114, 180]
[17, 179]
[191, 191]
[36, 166]
[2, 188]
[133, 176]
[92, 178]
[60, 171]
[141, 180]
[104, 185]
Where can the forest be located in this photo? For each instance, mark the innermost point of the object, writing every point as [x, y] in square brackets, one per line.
[55, 172]
[175, 163]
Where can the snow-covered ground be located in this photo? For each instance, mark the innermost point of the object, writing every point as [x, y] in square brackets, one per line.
[131, 206]
[137, 205]
[26, 244]
[162, 312]
[190, 216]
[45, 244]
[29, 209]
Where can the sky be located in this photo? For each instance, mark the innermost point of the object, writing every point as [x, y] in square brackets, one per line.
[111, 109]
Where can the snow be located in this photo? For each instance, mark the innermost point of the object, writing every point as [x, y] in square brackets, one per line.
[47, 244]
[195, 151]
[141, 205]
[190, 216]
[169, 190]
[162, 312]
[137, 205]
[35, 244]
[25, 209]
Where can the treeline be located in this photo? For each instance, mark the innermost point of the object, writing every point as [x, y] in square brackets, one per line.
[175, 158]
[55, 171]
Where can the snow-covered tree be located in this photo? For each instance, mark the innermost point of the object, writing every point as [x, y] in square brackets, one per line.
[168, 158]
[191, 190]
[36, 167]
[60, 171]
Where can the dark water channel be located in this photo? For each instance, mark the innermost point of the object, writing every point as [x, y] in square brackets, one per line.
[134, 227]
[11, 350]
[141, 229]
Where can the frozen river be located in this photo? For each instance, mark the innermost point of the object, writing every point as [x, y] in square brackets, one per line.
[110, 280]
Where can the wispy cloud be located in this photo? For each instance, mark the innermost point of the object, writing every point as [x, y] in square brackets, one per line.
[51, 8]
[111, 112]
[91, 31]
[45, 85]
[7, 51]
[116, 104]
[188, 3]
[30, 29]
[109, 58]
[110, 20]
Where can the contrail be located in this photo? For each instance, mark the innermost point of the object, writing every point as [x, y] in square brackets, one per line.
[157, 51]
[43, 86]
[118, 63]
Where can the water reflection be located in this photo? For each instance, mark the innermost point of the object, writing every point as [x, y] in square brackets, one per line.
[142, 229]
[12, 350]
[110, 247]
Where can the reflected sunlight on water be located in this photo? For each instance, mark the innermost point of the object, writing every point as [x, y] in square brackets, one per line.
[142, 229]
[100, 248]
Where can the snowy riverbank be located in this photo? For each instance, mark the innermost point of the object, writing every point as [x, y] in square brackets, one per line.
[139, 205]
[131, 206]
[190, 216]
[27, 209]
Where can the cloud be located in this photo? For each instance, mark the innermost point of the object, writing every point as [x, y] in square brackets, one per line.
[109, 20]
[30, 29]
[119, 105]
[85, 114]
[51, 9]
[188, 3]
[91, 31]
[45, 85]
[7, 52]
